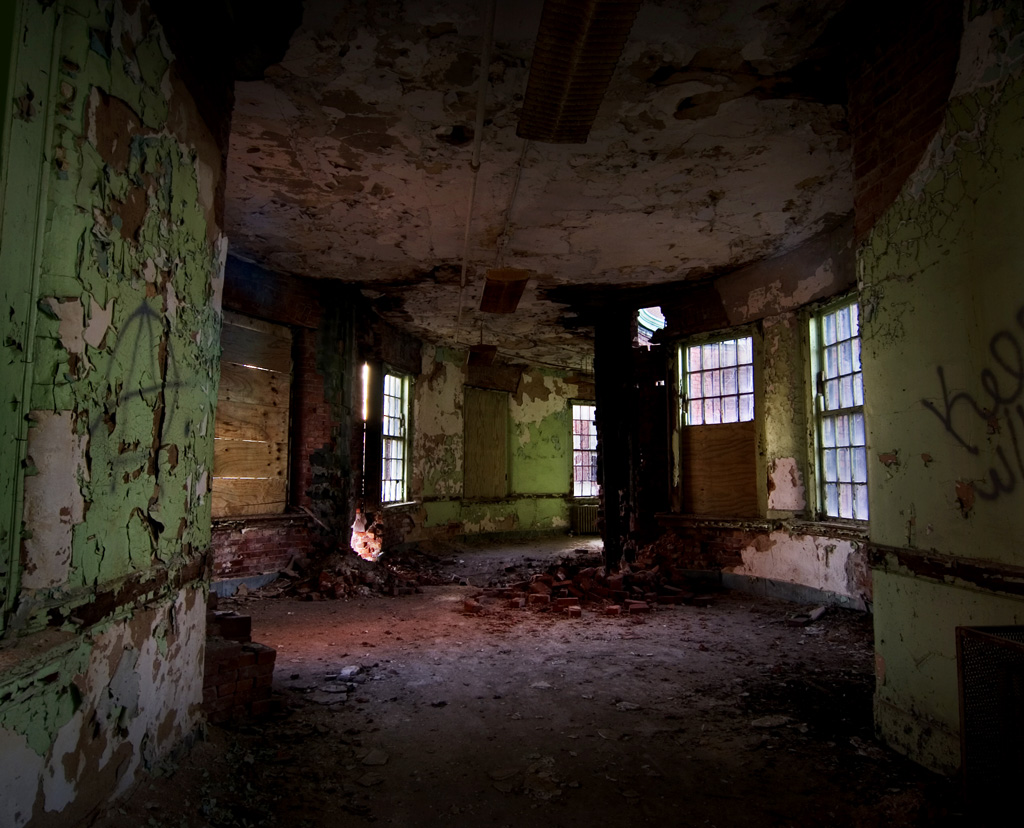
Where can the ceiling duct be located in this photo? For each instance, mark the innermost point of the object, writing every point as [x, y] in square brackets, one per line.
[503, 288]
[578, 45]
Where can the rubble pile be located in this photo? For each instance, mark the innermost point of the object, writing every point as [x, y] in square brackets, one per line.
[342, 575]
[569, 586]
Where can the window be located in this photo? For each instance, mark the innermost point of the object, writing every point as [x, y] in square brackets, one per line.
[250, 447]
[718, 381]
[839, 407]
[584, 450]
[394, 438]
[648, 322]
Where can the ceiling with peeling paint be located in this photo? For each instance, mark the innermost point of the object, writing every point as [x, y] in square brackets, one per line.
[721, 141]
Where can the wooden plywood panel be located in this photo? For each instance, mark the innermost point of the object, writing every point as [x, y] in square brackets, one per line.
[250, 458]
[239, 458]
[252, 386]
[237, 498]
[720, 470]
[486, 445]
[247, 346]
[241, 421]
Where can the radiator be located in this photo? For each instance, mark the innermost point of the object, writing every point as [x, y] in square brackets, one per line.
[583, 517]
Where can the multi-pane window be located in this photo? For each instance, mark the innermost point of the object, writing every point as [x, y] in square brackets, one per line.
[843, 455]
[584, 451]
[394, 438]
[718, 381]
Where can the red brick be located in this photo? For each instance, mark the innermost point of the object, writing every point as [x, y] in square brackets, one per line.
[227, 689]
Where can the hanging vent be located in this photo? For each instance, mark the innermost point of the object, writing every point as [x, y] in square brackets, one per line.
[578, 46]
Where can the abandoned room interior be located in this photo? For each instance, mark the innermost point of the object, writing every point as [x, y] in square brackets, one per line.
[721, 300]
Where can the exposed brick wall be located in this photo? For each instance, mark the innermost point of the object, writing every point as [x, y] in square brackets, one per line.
[905, 64]
[312, 423]
[238, 677]
[253, 547]
[701, 546]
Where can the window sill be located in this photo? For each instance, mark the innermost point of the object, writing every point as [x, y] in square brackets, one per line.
[846, 530]
[223, 522]
[834, 528]
[405, 504]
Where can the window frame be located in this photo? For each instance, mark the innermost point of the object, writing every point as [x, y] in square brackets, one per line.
[595, 483]
[820, 414]
[683, 375]
[404, 439]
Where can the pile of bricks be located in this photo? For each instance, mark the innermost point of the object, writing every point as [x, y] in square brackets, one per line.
[238, 672]
[566, 589]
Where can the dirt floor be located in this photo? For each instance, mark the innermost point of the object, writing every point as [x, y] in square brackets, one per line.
[408, 711]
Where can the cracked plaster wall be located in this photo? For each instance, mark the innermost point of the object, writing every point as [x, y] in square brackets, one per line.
[943, 310]
[540, 455]
[798, 553]
[103, 658]
[835, 567]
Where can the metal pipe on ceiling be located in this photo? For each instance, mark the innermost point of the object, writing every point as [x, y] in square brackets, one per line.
[478, 133]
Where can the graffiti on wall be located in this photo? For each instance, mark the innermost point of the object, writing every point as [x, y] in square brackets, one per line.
[999, 410]
[146, 347]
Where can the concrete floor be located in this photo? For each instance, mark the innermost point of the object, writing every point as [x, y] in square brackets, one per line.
[717, 716]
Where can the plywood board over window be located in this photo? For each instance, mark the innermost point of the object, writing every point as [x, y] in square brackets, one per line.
[719, 474]
[250, 455]
[486, 458]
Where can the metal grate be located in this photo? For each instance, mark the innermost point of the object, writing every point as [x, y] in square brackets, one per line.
[990, 666]
[583, 517]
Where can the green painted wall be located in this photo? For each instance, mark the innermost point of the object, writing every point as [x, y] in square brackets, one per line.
[943, 310]
[540, 456]
[24, 132]
[112, 262]
[541, 437]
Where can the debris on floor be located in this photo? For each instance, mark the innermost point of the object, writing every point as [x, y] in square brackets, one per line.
[569, 585]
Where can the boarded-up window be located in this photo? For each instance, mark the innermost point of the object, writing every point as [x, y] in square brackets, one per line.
[250, 455]
[486, 456]
[719, 472]
[718, 441]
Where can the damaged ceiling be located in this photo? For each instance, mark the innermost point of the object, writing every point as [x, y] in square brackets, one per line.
[721, 140]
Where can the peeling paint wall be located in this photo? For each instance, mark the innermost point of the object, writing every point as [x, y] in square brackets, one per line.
[943, 310]
[785, 414]
[799, 557]
[103, 652]
[834, 567]
[540, 456]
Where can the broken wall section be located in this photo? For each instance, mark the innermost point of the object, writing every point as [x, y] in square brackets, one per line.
[101, 662]
[943, 310]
